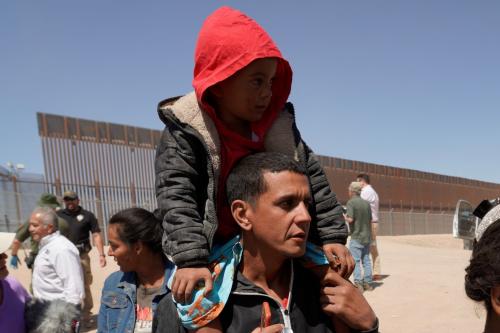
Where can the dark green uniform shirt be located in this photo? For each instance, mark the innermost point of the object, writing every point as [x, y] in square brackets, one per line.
[359, 210]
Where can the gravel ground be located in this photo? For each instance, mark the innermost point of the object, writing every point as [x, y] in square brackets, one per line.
[422, 289]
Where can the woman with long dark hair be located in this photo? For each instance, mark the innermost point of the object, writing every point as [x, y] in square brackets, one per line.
[482, 279]
[130, 296]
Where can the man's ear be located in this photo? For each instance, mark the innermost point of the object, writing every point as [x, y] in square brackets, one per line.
[495, 299]
[240, 210]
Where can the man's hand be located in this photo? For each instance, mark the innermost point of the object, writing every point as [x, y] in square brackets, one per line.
[341, 298]
[340, 259]
[102, 261]
[185, 281]
[14, 260]
[276, 328]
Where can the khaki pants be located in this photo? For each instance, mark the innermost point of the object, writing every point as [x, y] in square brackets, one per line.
[374, 250]
[88, 302]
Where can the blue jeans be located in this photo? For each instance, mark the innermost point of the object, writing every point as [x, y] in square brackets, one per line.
[361, 255]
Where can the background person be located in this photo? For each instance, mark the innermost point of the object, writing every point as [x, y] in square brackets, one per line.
[482, 279]
[57, 273]
[358, 215]
[81, 223]
[23, 233]
[135, 243]
[368, 193]
[13, 296]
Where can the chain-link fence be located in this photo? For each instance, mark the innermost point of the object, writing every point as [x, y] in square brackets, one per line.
[394, 223]
[104, 201]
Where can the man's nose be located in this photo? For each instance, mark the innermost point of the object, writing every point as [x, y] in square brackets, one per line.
[302, 212]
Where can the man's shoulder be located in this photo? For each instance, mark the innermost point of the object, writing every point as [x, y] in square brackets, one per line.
[354, 201]
[86, 212]
[368, 191]
[62, 213]
[63, 245]
[166, 319]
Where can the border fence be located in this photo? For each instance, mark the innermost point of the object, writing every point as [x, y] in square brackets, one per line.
[104, 201]
[111, 167]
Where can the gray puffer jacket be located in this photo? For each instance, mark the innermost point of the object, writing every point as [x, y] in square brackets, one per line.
[187, 168]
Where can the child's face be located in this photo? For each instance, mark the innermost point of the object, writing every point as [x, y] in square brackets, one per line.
[245, 96]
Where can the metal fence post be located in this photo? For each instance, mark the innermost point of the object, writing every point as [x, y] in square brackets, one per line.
[426, 217]
[410, 218]
[133, 196]
[100, 215]
[18, 203]
[58, 187]
[390, 222]
[425, 225]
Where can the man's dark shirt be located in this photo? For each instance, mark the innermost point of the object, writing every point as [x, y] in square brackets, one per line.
[80, 223]
[242, 313]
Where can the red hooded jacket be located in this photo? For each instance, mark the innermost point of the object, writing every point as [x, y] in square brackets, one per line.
[228, 41]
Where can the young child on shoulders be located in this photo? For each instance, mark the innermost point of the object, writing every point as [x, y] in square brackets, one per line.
[239, 107]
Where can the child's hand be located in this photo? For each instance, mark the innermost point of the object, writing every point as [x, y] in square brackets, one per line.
[340, 259]
[185, 281]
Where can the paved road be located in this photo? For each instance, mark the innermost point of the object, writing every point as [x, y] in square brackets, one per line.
[423, 291]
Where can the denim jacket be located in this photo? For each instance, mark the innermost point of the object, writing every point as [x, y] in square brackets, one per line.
[118, 301]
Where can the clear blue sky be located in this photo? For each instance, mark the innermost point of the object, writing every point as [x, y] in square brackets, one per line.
[413, 84]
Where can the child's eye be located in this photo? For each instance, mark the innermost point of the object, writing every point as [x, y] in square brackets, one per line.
[257, 82]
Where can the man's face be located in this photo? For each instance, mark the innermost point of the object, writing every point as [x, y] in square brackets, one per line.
[245, 96]
[71, 204]
[362, 181]
[37, 229]
[280, 219]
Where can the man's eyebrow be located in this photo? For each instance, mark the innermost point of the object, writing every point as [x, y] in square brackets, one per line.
[293, 196]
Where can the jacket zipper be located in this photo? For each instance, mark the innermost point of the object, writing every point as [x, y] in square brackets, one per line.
[285, 313]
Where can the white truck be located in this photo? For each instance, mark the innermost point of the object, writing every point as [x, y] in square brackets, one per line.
[466, 219]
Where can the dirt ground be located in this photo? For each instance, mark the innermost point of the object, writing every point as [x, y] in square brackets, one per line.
[422, 289]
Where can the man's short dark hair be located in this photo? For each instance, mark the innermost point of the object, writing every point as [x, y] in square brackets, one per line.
[365, 177]
[246, 180]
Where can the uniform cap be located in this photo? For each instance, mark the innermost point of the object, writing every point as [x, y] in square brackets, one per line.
[71, 195]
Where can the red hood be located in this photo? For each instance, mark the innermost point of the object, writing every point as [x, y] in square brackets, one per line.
[228, 41]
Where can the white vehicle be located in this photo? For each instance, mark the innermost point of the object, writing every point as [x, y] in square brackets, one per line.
[466, 219]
